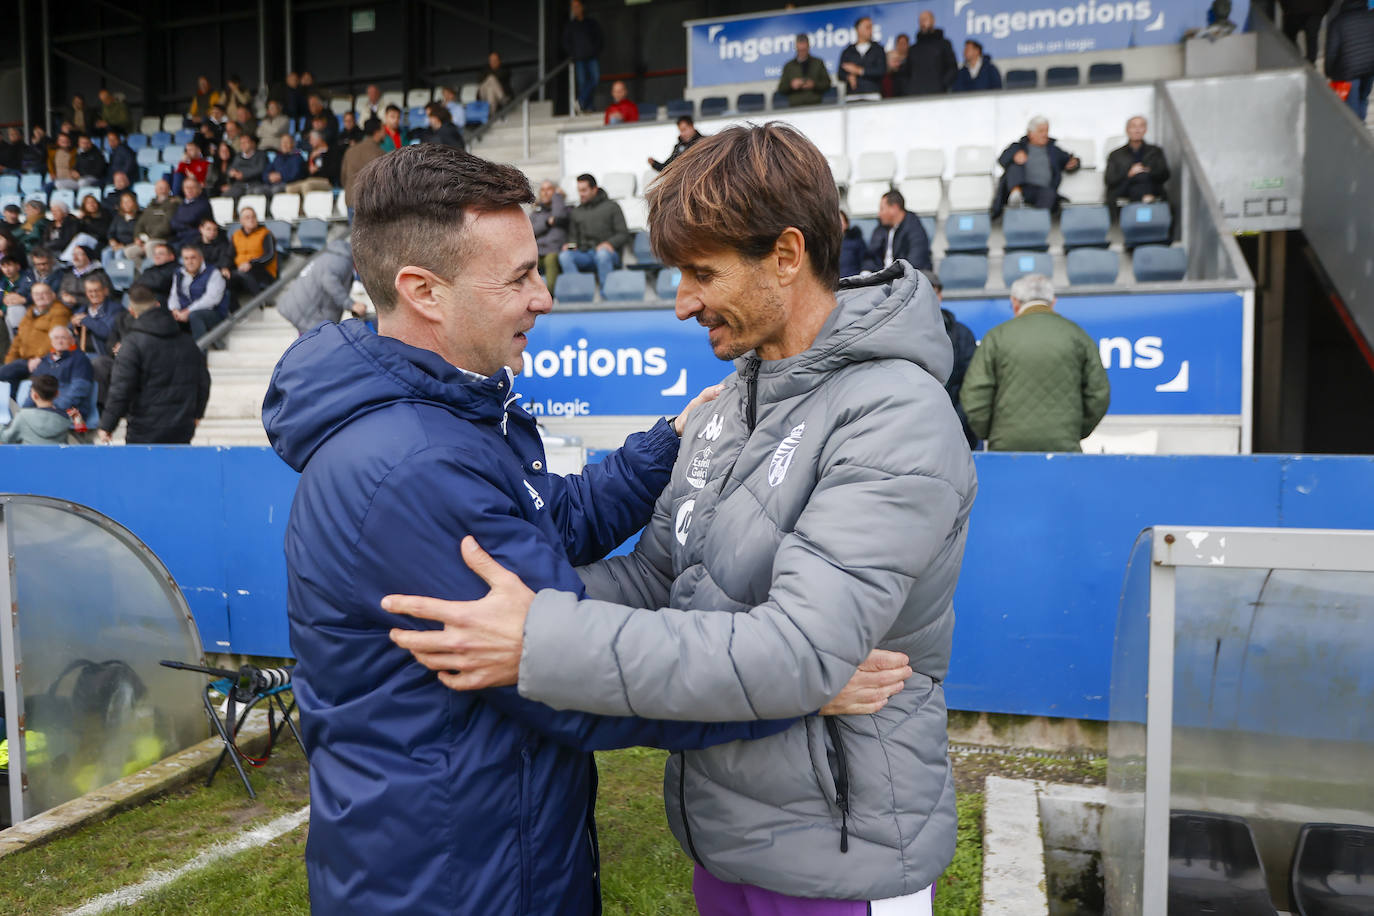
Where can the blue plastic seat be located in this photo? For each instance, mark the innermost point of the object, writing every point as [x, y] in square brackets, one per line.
[281, 231]
[1016, 264]
[149, 155]
[1215, 867]
[623, 286]
[780, 100]
[578, 287]
[417, 119]
[666, 285]
[7, 199]
[967, 232]
[1159, 264]
[1026, 228]
[679, 107]
[120, 271]
[137, 142]
[9, 183]
[749, 102]
[1106, 73]
[865, 225]
[1021, 79]
[183, 136]
[1085, 226]
[63, 195]
[831, 96]
[648, 111]
[644, 252]
[1061, 76]
[1146, 224]
[1333, 870]
[144, 192]
[475, 113]
[30, 182]
[311, 234]
[1092, 265]
[160, 140]
[158, 171]
[964, 271]
[928, 224]
[714, 106]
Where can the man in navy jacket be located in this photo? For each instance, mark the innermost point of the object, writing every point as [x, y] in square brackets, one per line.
[424, 800]
[899, 236]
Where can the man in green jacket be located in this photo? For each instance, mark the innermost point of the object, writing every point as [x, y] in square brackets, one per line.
[804, 78]
[1036, 382]
[596, 232]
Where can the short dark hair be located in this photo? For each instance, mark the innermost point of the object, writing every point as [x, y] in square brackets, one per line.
[861, 20]
[41, 252]
[587, 177]
[894, 198]
[211, 220]
[411, 207]
[45, 387]
[141, 298]
[11, 258]
[802, 36]
[440, 111]
[976, 44]
[395, 108]
[13, 208]
[738, 190]
[686, 119]
[97, 276]
[372, 125]
[190, 247]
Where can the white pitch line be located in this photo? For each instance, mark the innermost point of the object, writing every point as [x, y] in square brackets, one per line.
[258, 836]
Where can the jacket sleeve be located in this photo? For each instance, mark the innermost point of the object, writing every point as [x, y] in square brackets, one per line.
[949, 65]
[1008, 154]
[644, 577]
[620, 235]
[874, 522]
[1097, 390]
[917, 245]
[1334, 33]
[468, 501]
[336, 291]
[1159, 166]
[202, 381]
[78, 388]
[876, 249]
[1114, 176]
[609, 501]
[269, 250]
[821, 78]
[102, 325]
[875, 63]
[10, 434]
[980, 386]
[785, 81]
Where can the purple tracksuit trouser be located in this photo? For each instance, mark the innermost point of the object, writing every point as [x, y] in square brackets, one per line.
[719, 898]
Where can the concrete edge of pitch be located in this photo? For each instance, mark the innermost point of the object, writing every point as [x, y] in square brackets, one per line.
[133, 790]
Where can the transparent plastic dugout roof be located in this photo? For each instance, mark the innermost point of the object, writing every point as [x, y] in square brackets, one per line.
[85, 700]
[1242, 684]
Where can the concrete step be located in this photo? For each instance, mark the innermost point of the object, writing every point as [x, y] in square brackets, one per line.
[263, 362]
[250, 339]
[236, 399]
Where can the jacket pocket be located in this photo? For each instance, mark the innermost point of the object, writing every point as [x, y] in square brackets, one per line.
[838, 760]
[526, 828]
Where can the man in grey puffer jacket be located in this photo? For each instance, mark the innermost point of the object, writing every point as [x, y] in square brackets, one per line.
[322, 290]
[821, 504]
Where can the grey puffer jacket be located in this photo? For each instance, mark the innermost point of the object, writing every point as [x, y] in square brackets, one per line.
[321, 292]
[821, 503]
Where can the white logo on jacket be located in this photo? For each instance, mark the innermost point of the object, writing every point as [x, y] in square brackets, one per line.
[683, 522]
[534, 495]
[698, 467]
[782, 458]
[714, 426]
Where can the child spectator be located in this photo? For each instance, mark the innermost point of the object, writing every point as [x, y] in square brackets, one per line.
[41, 424]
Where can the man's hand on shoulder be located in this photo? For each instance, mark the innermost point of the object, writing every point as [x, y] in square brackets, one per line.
[707, 394]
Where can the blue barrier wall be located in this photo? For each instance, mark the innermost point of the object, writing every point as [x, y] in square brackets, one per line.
[1048, 545]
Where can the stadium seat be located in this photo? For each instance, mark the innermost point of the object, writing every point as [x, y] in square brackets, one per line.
[7, 199]
[160, 140]
[1085, 227]
[120, 271]
[40, 196]
[149, 156]
[256, 202]
[1016, 264]
[1333, 870]
[1021, 79]
[924, 163]
[1093, 265]
[1146, 224]
[467, 93]
[221, 207]
[750, 102]
[341, 104]
[1159, 264]
[144, 192]
[831, 96]
[63, 195]
[618, 185]
[318, 204]
[1214, 866]
[1083, 187]
[341, 204]
[974, 160]
[679, 107]
[623, 286]
[150, 125]
[967, 232]
[877, 165]
[1061, 76]
[158, 171]
[713, 106]
[416, 119]
[183, 136]
[648, 111]
[170, 123]
[922, 195]
[136, 142]
[83, 193]
[964, 271]
[970, 192]
[865, 195]
[636, 213]
[281, 231]
[285, 206]
[311, 234]
[839, 168]
[575, 287]
[171, 155]
[1083, 148]
[29, 183]
[9, 183]
[644, 252]
[1106, 73]
[1114, 142]
[780, 101]
[394, 97]
[1026, 228]
[475, 113]
[666, 285]
[419, 97]
[928, 225]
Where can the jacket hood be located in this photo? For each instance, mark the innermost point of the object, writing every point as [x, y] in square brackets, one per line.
[157, 322]
[342, 247]
[600, 197]
[892, 314]
[338, 372]
[46, 421]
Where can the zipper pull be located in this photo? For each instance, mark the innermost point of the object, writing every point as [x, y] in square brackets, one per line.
[844, 822]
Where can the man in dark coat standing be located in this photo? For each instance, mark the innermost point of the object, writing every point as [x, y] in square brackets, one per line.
[582, 41]
[930, 66]
[1138, 170]
[160, 380]
[1350, 52]
[899, 236]
[863, 64]
[1304, 16]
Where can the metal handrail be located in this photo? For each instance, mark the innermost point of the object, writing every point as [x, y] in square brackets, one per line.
[521, 98]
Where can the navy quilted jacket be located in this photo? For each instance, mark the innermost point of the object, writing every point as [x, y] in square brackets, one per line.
[1350, 42]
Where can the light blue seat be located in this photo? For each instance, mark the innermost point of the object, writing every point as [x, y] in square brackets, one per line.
[149, 156]
[120, 270]
[928, 224]
[30, 182]
[9, 183]
[578, 287]
[1159, 264]
[668, 280]
[160, 140]
[183, 136]
[1016, 264]
[644, 252]
[416, 119]
[1146, 224]
[964, 271]
[865, 225]
[623, 286]
[967, 232]
[281, 231]
[40, 196]
[158, 171]
[1085, 226]
[137, 142]
[1092, 265]
[475, 113]
[63, 195]
[311, 234]
[1026, 228]
[7, 199]
[144, 192]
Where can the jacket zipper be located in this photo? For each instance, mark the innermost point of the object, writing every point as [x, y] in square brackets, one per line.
[751, 391]
[526, 803]
[682, 806]
[841, 780]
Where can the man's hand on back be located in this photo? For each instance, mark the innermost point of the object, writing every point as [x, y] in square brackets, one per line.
[881, 676]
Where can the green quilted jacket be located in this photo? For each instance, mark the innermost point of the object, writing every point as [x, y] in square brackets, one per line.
[1036, 384]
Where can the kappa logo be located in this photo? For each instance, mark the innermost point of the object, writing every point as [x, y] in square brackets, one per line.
[782, 458]
[714, 427]
[683, 522]
[534, 495]
[699, 467]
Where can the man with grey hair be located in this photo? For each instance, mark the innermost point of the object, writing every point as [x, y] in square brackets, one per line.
[1036, 383]
[549, 218]
[1032, 169]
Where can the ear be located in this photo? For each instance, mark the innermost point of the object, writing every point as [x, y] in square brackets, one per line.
[420, 290]
[790, 251]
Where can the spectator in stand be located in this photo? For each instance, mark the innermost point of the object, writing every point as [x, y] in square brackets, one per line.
[322, 290]
[863, 63]
[193, 211]
[892, 83]
[123, 234]
[160, 275]
[596, 232]
[549, 219]
[122, 159]
[1032, 169]
[621, 110]
[287, 168]
[804, 78]
[220, 121]
[197, 297]
[207, 138]
[1138, 170]
[11, 215]
[72, 289]
[12, 151]
[35, 225]
[442, 130]
[193, 164]
[330, 125]
[71, 368]
[255, 255]
[930, 66]
[582, 41]
[394, 135]
[90, 163]
[1350, 52]
[899, 236]
[455, 107]
[218, 173]
[201, 102]
[63, 167]
[294, 103]
[372, 106]
[1305, 16]
[322, 167]
[350, 133]
[41, 424]
[62, 228]
[853, 248]
[43, 268]
[13, 303]
[115, 113]
[978, 71]
[247, 123]
[273, 127]
[493, 87]
[96, 323]
[119, 183]
[155, 222]
[360, 154]
[160, 380]
[215, 249]
[80, 117]
[248, 169]
[39, 153]
[686, 136]
[94, 221]
[237, 99]
[30, 341]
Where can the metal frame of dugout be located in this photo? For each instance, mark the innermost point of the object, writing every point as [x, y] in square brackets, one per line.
[1242, 687]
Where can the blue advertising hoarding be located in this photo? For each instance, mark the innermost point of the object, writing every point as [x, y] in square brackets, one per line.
[741, 49]
[1172, 353]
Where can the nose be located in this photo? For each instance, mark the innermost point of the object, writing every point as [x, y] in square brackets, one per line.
[687, 304]
[542, 303]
